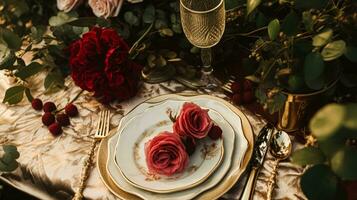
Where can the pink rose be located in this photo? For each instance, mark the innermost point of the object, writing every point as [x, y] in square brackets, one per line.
[165, 154]
[68, 5]
[193, 121]
[105, 8]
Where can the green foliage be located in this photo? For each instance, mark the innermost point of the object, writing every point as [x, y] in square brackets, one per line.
[10, 39]
[319, 182]
[317, 4]
[8, 161]
[273, 29]
[62, 18]
[334, 126]
[53, 81]
[313, 69]
[351, 53]
[322, 38]
[290, 25]
[14, 94]
[30, 70]
[333, 50]
[252, 5]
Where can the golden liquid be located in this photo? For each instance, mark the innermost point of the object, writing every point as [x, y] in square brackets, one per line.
[203, 21]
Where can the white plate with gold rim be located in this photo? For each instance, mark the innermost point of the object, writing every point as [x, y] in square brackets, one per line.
[145, 126]
[240, 147]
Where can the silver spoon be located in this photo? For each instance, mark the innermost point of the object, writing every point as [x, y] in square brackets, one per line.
[280, 148]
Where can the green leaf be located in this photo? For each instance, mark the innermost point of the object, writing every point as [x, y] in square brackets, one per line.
[62, 18]
[313, 69]
[308, 156]
[36, 33]
[333, 50]
[14, 94]
[327, 121]
[149, 14]
[276, 103]
[322, 38]
[290, 24]
[319, 182]
[304, 4]
[273, 29]
[307, 20]
[344, 163]
[7, 57]
[53, 82]
[166, 32]
[12, 40]
[29, 70]
[351, 117]
[28, 95]
[131, 18]
[8, 167]
[351, 53]
[84, 22]
[251, 5]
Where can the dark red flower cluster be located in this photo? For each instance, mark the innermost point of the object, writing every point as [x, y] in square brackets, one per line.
[99, 63]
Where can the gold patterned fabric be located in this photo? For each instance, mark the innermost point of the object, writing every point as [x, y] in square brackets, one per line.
[50, 167]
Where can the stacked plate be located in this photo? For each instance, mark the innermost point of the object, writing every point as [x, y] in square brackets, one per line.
[213, 168]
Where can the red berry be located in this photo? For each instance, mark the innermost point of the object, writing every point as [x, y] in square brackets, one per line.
[63, 119]
[190, 145]
[247, 85]
[71, 110]
[36, 104]
[215, 133]
[49, 107]
[55, 129]
[48, 118]
[236, 87]
[237, 99]
[248, 97]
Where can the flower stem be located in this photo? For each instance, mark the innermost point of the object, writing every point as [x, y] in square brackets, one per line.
[74, 99]
[136, 44]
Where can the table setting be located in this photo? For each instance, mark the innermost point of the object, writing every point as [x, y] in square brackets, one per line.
[186, 99]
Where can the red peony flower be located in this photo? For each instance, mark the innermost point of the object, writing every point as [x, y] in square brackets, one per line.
[99, 63]
[165, 154]
[193, 121]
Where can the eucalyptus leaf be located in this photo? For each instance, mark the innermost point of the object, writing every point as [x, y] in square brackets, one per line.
[273, 29]
[62, 18]
[319, 182]
[29, 70]
[322, 38]
[344, 163]
[308, 156]
[333, 50]
[131, 18]
[290, 24]
[149, 14]
[327, 121]
[8, 167]
[11, 39]
[313, 69]
[351, 118]
[351, 53]
[261, 20]
[252, 5]
[276, 103]
[14, 94]
[166, 32]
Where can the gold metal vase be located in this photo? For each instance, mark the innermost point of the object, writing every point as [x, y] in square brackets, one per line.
[299, 108]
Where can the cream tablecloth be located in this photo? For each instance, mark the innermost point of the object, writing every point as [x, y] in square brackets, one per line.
[50, 167]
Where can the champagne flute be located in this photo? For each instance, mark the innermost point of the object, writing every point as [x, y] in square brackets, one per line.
[203, 22]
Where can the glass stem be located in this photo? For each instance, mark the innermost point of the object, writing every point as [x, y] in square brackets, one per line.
[206, 58]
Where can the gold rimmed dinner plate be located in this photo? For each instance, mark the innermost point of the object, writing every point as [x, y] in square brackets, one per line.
[225, 184]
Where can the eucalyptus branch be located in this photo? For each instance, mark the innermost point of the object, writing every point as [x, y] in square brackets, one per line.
[136, 44]
[251, 32]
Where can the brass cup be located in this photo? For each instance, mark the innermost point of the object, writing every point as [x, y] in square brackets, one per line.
[299, 108]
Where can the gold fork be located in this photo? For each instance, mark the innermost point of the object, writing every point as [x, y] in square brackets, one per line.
[101, 132]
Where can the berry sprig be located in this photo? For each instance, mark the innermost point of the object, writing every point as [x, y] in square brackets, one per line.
[52, 118]
[243, 92]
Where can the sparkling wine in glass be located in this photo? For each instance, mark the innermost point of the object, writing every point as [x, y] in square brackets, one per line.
[203, 22]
